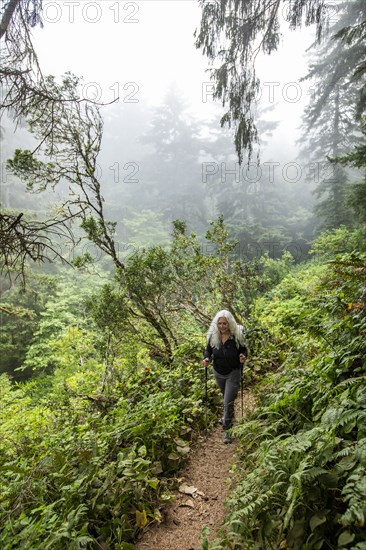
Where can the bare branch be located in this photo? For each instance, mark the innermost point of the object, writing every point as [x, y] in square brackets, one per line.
[22, 240]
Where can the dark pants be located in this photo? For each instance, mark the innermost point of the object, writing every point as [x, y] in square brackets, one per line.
[229, 387]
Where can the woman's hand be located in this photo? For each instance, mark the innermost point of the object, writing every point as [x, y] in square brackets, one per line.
[205, 362]
[242, 358]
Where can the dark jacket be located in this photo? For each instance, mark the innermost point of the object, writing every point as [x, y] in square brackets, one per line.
[226, 357]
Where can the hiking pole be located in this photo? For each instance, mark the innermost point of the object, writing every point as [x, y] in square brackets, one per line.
[241, 392]
[206, 398]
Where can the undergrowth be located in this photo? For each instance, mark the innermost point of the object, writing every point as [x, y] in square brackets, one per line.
[81, 468]
[304, 447]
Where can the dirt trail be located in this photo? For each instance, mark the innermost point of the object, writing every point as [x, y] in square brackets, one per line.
[207, 471]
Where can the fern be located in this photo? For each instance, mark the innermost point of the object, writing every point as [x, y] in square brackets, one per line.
[354, 493]
[306, 438]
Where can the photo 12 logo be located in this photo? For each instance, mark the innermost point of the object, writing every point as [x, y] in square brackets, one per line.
[116, 93]
[90, 12]
[121, 172]
[269, 92]
[267, 172]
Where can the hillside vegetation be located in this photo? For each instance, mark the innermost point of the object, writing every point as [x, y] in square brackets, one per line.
[93, 438]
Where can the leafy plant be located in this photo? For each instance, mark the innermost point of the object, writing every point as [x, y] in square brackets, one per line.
[303, 449]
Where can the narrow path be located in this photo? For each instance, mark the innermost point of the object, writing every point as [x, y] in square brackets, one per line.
[200, 502]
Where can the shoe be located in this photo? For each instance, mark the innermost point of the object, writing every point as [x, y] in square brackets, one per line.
[227, 438]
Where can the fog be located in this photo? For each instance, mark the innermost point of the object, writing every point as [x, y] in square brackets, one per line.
[138, 58]
[137, 50]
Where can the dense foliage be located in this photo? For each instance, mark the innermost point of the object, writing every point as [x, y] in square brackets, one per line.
[89, 453]
[90, 444]
[304, 448]
[101, 388]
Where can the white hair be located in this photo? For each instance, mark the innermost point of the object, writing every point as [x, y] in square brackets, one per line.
[213, 334]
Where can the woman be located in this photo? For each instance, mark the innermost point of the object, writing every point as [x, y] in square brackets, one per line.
[225, 346]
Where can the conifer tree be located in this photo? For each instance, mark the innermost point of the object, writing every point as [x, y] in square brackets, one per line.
[232, 33]
[356, 197]
[28, 95]
[330, 126]
[172, 173]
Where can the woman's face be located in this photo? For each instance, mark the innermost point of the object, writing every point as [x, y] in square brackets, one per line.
[223, 325]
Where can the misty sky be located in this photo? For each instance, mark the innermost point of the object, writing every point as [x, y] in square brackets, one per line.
[137, 50]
